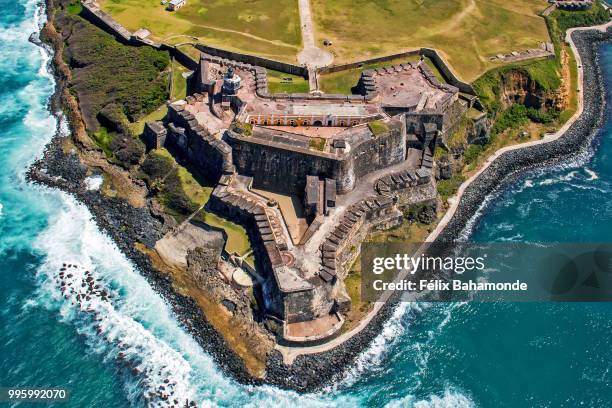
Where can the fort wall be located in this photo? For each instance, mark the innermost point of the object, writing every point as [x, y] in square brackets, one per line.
[212, 156]
[358, 64]
[446, 71]
[254, 60]
[266, 161]
[304, 302]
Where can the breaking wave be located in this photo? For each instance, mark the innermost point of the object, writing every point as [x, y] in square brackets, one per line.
[450, 399]
[527, 179]
[84, 277]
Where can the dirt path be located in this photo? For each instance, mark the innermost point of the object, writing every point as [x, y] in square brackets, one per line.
[228, 30]
[457, 20]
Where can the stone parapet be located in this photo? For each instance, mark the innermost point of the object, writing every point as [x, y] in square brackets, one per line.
[211, 155]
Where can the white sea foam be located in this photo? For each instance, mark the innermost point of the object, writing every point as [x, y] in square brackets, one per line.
[372, 357]
[115, 329]
[94, 182]
[591, 173]
[450, 399]
[133, 327]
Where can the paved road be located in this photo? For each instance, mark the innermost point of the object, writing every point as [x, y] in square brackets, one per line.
[311, 55]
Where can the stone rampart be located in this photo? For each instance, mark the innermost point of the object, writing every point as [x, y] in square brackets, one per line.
[359, 64]
[395, 192]
[261, 81]
[254, 60]
[446, 71]
[341, 246]
[266, 160]
[212, 156]
[283, 298]
[430, 53]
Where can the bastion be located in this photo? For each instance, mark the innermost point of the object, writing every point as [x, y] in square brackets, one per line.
[349, 164]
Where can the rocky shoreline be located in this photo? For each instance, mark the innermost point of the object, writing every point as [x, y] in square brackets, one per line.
[128, 225]
[325, 366]
[512, 163]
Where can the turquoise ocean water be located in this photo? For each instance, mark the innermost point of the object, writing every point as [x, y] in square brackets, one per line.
[428, 355]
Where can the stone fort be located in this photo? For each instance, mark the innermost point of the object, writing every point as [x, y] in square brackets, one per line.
[353, 163]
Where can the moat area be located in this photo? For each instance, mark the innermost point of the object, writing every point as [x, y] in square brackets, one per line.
[40, 229]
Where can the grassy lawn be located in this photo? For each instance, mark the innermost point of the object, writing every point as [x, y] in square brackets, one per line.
[179, 82]
[279, 82]
[265, 27]
[237, 239]
[467, 32]
[198, 194]
[158, 114]
[378, 127]
[317, 143]
[342, 82]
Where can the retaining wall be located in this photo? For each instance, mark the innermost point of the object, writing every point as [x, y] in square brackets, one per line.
[446, 71]
[358, 64]
[267, 161]
[105, 22]
[254, 60]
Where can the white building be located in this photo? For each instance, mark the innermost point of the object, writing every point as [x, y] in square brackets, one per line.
[174, 5]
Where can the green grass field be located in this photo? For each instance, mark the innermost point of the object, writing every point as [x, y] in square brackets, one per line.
[268, 28]
[279, 82]
[467, 32]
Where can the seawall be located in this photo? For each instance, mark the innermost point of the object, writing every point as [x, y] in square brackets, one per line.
[507, 162]
[326, 360]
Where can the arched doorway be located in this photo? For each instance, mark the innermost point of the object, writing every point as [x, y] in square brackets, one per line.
[317, 123]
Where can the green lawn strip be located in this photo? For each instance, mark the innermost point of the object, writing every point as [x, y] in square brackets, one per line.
[173, 197]
[158, 114]
[179, 82]
[280, 82]
[317, 143]
[378, 127]
[237, 238]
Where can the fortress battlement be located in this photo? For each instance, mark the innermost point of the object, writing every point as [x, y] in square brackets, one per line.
[355, 162]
